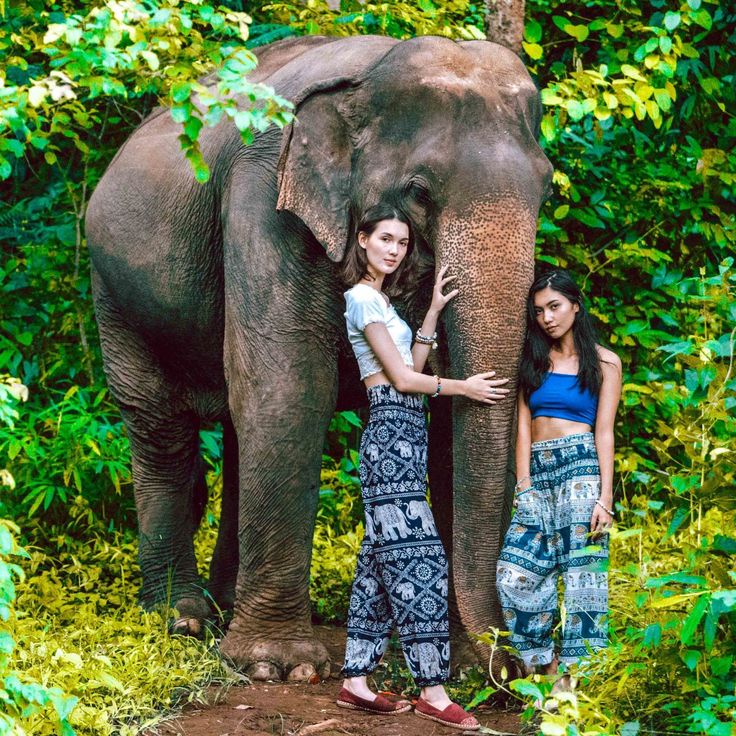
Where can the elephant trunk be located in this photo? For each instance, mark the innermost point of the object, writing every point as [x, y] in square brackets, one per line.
[491, 250]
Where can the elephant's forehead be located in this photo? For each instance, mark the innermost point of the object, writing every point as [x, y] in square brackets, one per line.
[439, 63]
[459, 83]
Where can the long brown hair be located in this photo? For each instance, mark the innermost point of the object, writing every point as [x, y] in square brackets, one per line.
[355, 265]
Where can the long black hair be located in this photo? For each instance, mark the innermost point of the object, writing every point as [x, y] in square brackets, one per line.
[355, 265]
[535, 360]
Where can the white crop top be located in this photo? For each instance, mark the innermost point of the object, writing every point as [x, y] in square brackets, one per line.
[365, 305]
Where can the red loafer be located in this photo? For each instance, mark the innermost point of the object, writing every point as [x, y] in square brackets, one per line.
[380, 705]
[453, 716]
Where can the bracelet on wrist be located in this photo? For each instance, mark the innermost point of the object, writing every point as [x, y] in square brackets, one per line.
[519, 492]
[520, 482]
[607, 510]
[425, 340]
[439, 387]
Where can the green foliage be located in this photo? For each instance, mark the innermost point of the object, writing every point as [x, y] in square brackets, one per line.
[77, 441]
[71, 66]
[338, 532]
[24, 699]
[21, 698]
[651, 182]
[453, 19]
[88, 660]
[633, 57]
[83, 632]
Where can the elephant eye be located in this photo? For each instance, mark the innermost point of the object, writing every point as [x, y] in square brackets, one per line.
[418, 187]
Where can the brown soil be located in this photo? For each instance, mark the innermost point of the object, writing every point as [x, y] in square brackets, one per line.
[286, 709]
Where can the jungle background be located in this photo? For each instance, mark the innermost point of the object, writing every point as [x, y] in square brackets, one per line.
[639, 105]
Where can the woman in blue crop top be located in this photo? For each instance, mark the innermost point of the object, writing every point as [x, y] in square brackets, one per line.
[569, 389]
[401, 580]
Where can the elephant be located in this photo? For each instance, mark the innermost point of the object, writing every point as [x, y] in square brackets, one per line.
[574, 625]
[420, 510]
[222, 302]
[509, 619]
[359, 652]
[442, 585]
[404, 448]
[539, 623]
[427, 656]
[392, 521]
[370, 585]
[406, 591]
[373, 452]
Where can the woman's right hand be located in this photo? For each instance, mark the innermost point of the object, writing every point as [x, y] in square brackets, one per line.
[486, 389]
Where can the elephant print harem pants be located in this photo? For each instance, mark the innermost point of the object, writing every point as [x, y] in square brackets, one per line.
[548, 537]
[401, 579]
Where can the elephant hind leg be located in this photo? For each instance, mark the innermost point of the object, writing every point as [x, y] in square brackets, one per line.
[167, 474]
[168, 477]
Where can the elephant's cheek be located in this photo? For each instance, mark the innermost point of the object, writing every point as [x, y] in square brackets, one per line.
[490, 249]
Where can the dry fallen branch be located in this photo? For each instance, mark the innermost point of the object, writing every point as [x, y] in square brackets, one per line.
[318, 727]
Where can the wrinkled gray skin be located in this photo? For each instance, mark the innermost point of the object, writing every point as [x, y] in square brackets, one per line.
[223, 302]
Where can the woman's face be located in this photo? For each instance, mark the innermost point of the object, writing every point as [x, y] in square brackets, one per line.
[385, 247]
[555, 312]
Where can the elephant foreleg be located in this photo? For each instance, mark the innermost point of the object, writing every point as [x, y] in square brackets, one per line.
[281, 406]
[440, 470]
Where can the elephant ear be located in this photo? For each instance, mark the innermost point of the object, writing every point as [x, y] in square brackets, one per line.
[315, 164]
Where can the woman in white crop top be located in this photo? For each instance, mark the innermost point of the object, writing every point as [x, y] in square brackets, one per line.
[401, 578]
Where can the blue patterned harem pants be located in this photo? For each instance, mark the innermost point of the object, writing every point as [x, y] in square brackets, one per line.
[549, 537]
[401, 579]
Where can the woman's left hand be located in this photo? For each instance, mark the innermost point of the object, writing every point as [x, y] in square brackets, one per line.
[600, 521]
[440, 300]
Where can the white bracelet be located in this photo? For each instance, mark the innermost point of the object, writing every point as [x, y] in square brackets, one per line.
[521, 482]
[608, 511]
[424, 340]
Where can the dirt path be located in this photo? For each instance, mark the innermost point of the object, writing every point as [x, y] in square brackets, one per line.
[285, 709]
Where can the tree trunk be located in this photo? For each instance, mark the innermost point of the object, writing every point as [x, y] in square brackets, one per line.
[505, 23]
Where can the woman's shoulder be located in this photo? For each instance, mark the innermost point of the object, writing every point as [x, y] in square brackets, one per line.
[363, 294]
[609, 359]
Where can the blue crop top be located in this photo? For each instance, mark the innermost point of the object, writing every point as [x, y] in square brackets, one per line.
[560, 397]
[365, 305]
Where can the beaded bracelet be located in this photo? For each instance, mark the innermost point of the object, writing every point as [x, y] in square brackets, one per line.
[521, 493]
[608, 511]
[424, 340]
[439, 387]
[520, 482]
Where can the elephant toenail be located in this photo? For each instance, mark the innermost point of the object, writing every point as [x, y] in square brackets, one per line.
[326, 670]
[186, 627]
[263, 671]
[302, 673]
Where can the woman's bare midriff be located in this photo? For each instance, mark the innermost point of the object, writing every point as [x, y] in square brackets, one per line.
[377, 379]
[550, 428]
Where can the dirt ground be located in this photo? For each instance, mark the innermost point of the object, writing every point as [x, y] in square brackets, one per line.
[286, 709]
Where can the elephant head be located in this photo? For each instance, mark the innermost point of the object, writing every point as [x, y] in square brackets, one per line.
[449, 130]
